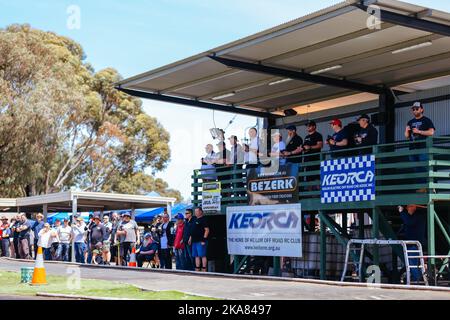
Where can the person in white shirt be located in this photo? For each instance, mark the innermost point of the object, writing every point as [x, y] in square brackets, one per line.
[278, 147]
[45, 239]
[208, 169]
[65, 237]
[79, 234]
[253, 148]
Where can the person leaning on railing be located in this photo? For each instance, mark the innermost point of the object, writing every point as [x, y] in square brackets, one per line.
[294, 144]
[339, 139]
[208, 169]
[417, 129]
[366, 135]
[312, 144]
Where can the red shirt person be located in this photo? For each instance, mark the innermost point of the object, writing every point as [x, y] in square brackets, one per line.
[178, 244]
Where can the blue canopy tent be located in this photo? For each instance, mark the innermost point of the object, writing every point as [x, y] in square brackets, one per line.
[148, 216]
[63, 215]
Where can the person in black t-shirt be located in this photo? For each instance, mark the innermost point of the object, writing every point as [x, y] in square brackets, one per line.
[420, 127]
[293, 146]
[312, 144]
[366, 135]
[199, 240]
[339, 139]
[417, 129]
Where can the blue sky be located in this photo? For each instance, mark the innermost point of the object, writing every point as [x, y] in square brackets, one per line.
[136, 36]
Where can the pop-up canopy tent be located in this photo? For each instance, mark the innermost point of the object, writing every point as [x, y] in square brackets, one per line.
[65, 215]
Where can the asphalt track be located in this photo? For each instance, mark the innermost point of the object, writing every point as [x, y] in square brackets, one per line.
[235, 287]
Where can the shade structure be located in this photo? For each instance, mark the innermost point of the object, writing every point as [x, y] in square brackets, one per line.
[354, 49]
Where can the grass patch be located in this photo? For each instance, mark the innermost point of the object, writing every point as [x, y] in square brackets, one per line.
[10, 284]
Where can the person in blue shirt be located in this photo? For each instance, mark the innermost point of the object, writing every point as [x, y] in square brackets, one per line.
[339, 139]
[38, 225]
[413, 228]
[147, 250]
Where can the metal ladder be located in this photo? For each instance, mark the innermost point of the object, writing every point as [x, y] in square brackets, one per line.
[358, 251]
[406, 253]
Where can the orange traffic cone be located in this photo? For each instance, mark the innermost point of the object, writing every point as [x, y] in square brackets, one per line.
[132, 262]
[39, 270]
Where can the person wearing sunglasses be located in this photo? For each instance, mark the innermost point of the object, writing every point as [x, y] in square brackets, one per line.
[419, 128]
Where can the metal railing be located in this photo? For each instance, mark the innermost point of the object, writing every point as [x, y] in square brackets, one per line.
[406, 172]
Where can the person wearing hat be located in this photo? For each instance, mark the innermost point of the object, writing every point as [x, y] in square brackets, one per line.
[278, 147]
[65, 238]
[420, 126]
[294, 144]
[339, 139]
[5, 232]
[178, 244]
[98, 235]
[313, 143]
[128, 234]
[418, 129]
[45, 239]
[147, 250]
[366, 135]
[78, 234]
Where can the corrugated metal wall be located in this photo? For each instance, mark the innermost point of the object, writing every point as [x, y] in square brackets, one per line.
[438, 112]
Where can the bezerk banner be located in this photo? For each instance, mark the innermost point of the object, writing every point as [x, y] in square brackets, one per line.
[265, 187]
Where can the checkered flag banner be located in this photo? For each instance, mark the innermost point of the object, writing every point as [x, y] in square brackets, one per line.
[348, 179]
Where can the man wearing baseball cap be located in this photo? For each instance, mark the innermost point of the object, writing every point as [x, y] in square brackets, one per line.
[339, 139]
[420, 126]
[98, 235]
[313, 143]
[147, 250]
[366, 135]
[294, 144]
[418, 129]
[129, 235]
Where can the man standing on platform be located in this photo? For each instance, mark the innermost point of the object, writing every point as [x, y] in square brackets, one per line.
[294, 144]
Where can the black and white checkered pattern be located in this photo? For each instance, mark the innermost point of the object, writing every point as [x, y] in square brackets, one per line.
[347, 164]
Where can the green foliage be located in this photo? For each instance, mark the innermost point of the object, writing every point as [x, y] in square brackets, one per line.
[62, 124]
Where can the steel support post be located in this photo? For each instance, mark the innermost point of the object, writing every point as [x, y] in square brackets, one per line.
[431, 233]
[376, 213]
[74, 213]
[323, 248]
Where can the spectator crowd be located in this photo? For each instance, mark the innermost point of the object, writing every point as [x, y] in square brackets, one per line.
[110, 239]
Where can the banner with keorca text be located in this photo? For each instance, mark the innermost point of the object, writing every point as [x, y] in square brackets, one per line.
[348, 179]
[266, 187]
[271, 230]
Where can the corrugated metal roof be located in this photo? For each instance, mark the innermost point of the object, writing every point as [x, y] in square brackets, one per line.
[336, 37]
